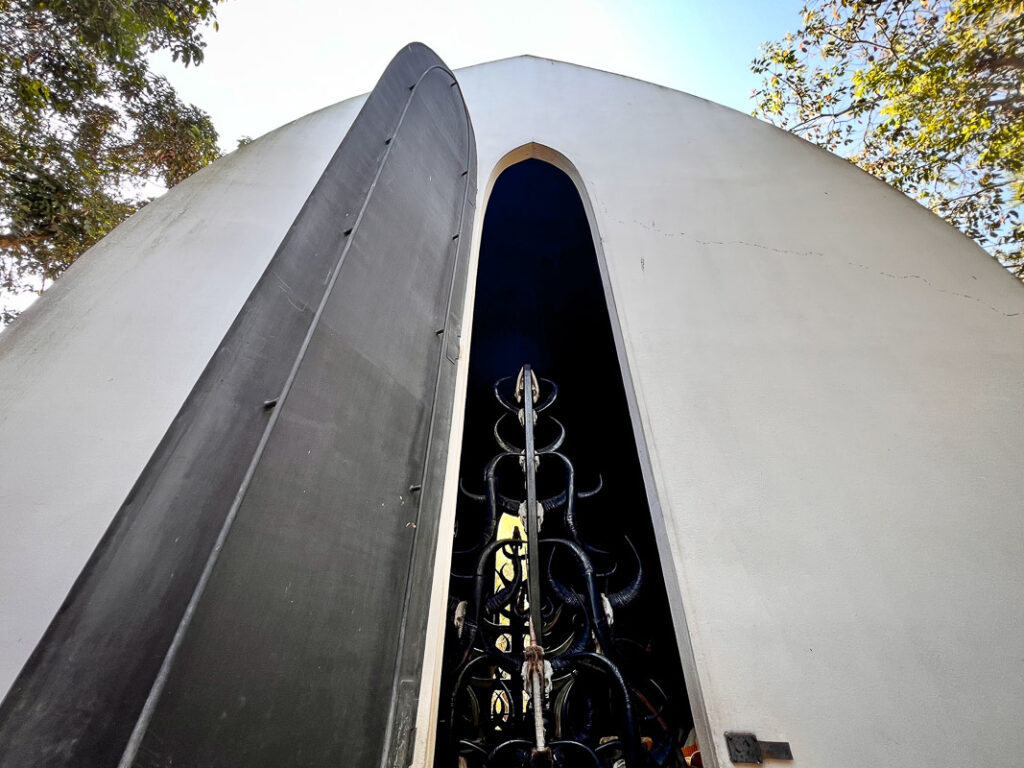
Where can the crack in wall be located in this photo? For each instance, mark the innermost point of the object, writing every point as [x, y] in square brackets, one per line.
[882, 273]
[653, 227]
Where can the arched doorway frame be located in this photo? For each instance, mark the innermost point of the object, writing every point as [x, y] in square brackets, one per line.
[430, 682]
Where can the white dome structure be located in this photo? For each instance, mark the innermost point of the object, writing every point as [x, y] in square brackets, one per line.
[823, 380]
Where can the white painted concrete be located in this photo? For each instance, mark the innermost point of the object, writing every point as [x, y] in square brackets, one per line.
[94, 372]
[830, 382]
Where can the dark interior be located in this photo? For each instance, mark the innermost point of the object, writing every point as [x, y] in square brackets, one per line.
[540, 300]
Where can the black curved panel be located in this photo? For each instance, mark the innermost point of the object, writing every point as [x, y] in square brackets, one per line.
[261, 596]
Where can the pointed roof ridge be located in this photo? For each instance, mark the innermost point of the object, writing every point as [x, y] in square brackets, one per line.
[561, 62]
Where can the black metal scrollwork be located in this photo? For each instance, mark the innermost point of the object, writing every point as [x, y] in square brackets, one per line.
[538, 671]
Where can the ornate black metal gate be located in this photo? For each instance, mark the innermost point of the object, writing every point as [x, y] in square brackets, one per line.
[544, 663]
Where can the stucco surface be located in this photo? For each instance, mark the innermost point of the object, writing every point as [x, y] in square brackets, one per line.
[95, 370]
[830, 383]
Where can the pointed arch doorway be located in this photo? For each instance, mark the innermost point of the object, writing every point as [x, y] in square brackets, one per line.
[541, 299]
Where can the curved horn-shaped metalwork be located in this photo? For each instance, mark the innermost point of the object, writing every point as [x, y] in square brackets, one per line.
[629, 593]
[536, 654]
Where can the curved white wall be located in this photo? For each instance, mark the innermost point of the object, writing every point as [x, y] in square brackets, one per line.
[830, 384]
[829, 381]
[97, 368]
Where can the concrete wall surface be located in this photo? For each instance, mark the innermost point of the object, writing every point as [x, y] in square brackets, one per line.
[94, 372]
[829, 382]
[831, 386]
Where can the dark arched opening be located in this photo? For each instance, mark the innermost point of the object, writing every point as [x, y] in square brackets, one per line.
[540, 300]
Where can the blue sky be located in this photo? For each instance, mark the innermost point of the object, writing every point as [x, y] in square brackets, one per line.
[272, 62]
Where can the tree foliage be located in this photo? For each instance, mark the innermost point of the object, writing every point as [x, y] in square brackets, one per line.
[85, 124]
[928, 95]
